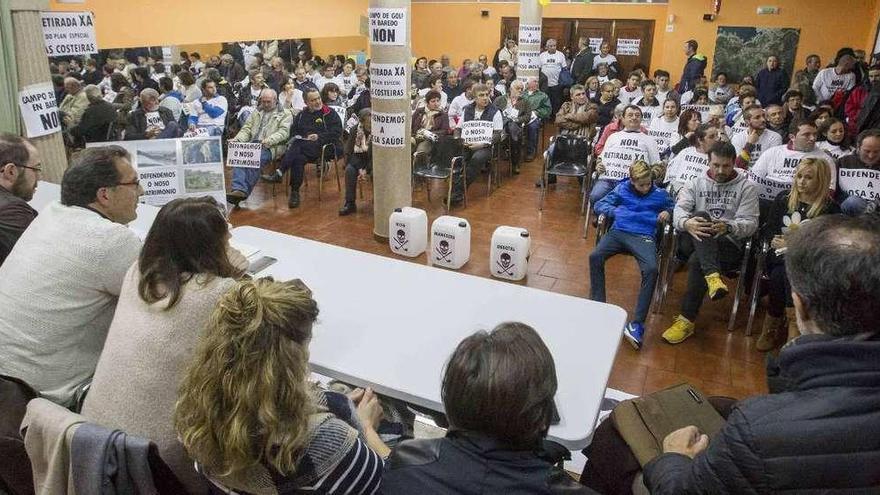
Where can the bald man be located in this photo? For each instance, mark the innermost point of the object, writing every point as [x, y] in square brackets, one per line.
[74, 104]
[151, 121]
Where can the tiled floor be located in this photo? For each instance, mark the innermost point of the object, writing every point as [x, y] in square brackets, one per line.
[718, 362]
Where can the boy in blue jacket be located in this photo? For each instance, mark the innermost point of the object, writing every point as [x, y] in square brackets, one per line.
[636, 205]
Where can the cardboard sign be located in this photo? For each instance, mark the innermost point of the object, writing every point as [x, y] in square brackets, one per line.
[69, 33]
[768, 188]
[244, 155]
[154, 120]
[628, 47]
[617, 162]
[529, 34]
[389, 129]
[387, 26]
[39, 110]
[595, 43]
[477, 132]
[864, 183]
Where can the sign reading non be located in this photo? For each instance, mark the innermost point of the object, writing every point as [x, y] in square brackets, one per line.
[69, 33]
[628, 46]
[476, 132]
[389, 129]
[388, 26]
[529, 34]
[39, 109]
[861, 182]
[244, 155]
[388, 81]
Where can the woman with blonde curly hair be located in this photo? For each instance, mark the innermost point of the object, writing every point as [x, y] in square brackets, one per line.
[807, 199]
[247, 414]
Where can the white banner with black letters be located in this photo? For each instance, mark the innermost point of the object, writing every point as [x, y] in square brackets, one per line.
[39, 110]
[69, 33]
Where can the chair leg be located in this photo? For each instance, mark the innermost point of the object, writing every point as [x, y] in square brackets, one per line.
[449, 193]
[336, 170]
[740, 286]
[544, 178]
[760, 266]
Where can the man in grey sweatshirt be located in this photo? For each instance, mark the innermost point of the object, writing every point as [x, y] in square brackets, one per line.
[715, 214]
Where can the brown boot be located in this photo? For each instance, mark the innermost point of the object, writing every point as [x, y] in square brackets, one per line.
[769, 334]
[793, 330]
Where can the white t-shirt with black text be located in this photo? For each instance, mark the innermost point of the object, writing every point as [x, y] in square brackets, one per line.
[551, 66]
[768, 139]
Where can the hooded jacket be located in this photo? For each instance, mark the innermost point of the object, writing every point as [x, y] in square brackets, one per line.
[695, 66]
[632, 212]
[734, 202]
[819, 435]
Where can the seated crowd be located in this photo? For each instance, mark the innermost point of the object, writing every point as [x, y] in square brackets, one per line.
[169, 339]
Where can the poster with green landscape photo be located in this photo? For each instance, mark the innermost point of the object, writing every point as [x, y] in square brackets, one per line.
[743, 51]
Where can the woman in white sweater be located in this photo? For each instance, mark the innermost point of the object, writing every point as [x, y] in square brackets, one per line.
[186, 265]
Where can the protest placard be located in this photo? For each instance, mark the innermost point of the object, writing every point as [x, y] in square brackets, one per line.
[861, 182]
[389, 129]
[244, 155]
[69, 33]
[628, 46]
[595, 43]
[387, 26]
[388, 81]
[529, 34]
[39, 109]
[476, 132]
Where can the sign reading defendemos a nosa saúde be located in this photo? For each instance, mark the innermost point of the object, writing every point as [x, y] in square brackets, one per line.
[69, 33]
[389, 129]
[39, 110]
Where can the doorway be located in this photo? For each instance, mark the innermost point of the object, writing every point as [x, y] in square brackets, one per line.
[567, 31]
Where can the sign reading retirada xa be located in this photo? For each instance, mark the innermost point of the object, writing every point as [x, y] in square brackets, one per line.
[69, 33]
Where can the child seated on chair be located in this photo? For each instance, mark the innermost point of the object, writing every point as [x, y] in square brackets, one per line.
[635, 205]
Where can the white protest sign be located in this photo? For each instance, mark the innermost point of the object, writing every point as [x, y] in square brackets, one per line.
[617, 161]
[39, 109]
[160, 185]
[528, 60]
[703, 110]
[768, 188]
[244, 155]
[529, 34]
[154, 120]
[388, 81]
[109, 95]
[861, 182]
[628, 46]
[166, 55]
[387, 26]
[69, 33]
[389, 129]
[595, 43]
[477, 132]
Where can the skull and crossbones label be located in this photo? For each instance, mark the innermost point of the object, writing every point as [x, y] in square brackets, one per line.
[443, 251]
[505, 264]
[400, 240]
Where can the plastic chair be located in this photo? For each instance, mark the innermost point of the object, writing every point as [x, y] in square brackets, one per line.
[447, 150]
[577, 146]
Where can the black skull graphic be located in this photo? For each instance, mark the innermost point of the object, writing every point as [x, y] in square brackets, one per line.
[443, 252]
[400, 240]
[505, 264]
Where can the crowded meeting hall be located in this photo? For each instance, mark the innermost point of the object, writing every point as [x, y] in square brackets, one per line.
[611, 247]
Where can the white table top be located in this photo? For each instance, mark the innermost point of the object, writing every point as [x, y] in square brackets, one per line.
[391, 324]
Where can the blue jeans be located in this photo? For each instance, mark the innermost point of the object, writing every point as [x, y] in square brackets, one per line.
[244, 179]
[853, 205]
[600, 188]
[532, 132]
[644, 248]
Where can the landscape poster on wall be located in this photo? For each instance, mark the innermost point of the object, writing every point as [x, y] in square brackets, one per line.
[743, 51]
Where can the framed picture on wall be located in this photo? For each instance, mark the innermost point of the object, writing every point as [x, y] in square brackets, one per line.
[743, 51]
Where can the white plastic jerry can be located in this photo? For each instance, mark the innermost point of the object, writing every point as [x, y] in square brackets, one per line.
[509, 254]
[408, 231]
[450, 242]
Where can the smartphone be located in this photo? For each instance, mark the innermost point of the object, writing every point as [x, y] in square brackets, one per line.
[260, 264]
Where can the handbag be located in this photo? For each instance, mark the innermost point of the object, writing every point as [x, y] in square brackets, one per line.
[644, 422]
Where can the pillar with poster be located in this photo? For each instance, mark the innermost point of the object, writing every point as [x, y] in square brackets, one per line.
[389, 33]
[528, 63]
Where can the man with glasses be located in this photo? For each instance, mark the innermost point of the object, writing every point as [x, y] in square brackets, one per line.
[19, 174]
[60, 283]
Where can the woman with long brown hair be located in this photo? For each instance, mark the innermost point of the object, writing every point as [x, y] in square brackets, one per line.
[185, 266]
[248, 415]
[807, 199]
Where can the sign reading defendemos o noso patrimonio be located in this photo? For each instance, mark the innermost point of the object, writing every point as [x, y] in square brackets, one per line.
[387, 26]
[477, 132]
[39, 110]
[389, 129]
[69, 33]
[244, 155]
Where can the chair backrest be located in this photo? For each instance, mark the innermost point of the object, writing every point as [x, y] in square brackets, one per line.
[445, 149]
[570, 148]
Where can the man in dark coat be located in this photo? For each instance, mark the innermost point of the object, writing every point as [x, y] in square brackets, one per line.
[693, 68]
[95, 123]
[819, 432]
[771, 82]
[582, 65]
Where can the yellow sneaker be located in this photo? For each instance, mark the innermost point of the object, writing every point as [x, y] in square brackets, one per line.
[717, 287]
[681, 329]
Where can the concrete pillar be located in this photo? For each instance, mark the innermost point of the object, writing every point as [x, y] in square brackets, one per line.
[390, 69]
[33, 67]
[528, 63]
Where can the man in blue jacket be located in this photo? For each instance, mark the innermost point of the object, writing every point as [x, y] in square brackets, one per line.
[693, 68]
[314, 127]
[636, 206]
[818, 433]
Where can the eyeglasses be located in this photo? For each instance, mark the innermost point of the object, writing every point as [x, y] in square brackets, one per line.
[38, 169]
